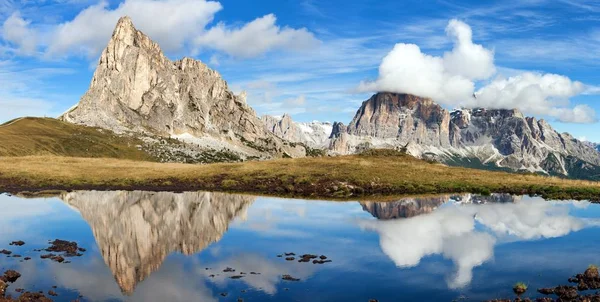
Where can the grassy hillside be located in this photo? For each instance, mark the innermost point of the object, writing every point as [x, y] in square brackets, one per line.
[376, 173]
[46, 136]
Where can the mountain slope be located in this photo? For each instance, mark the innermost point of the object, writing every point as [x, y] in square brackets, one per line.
[479, 138]
[46, 136]
[137, 89]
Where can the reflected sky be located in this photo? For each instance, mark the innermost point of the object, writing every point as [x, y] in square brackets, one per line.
[147, 246]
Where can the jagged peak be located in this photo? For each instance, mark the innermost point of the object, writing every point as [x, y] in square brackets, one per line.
[124, 30]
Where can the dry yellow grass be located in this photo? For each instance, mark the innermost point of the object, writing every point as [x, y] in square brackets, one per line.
[346, 176]
[47, 136]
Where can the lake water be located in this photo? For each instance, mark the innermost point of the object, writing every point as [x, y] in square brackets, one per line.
[145, 246]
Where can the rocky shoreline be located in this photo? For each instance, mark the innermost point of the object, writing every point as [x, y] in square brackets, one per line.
[586, 281]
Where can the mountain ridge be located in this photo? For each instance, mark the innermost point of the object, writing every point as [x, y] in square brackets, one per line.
[503, 138]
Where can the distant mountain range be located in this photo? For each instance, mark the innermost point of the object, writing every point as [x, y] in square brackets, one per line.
[185, 108]
[494, 139]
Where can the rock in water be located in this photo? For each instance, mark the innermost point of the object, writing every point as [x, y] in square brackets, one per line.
[479, 138]
[136, 88]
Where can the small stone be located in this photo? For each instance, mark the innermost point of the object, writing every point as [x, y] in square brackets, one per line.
[236, 277]
[11, 275]
[17, 243]
[546, 291]
[228, 270]
[290, 259]
[52, 293]
[3, 287]
[224, 294]
[5, 252]
[289, 278]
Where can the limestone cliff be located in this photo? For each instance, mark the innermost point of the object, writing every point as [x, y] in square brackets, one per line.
[137, 89]
[481, 138]
[314, 134]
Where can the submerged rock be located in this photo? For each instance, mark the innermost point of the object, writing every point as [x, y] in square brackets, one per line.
[289, 278]
[10, 276]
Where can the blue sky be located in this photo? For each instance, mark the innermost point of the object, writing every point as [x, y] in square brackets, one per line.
[309, 58]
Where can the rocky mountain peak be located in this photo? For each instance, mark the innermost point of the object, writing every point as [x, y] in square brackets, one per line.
[137, 89]
[479, 137]
[403, 117]
[314, 134]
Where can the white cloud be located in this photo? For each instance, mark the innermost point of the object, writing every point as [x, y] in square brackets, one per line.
[17, 31]
[170, 22]
[184, 24]
[255, 38]
[447, 79]
[535, 93]
[451, 80]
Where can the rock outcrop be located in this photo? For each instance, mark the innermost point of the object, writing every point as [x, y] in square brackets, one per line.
[479, 137]
[314, 134]
[137, 89]
[135, 231]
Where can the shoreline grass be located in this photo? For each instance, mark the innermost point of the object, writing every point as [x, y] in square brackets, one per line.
[343, 177]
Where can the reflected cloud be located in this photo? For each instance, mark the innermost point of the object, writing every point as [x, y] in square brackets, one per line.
[467, 230]
[135, 231]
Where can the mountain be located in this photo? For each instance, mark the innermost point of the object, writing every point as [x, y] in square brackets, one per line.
[136, 89]
[135, 231]
[314, 134]
[479, 138]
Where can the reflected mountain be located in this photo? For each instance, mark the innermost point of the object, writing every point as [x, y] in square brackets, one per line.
[414, 206]
[467, 233]
[135, 231]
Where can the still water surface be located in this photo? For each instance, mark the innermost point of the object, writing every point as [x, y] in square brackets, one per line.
[146, 246]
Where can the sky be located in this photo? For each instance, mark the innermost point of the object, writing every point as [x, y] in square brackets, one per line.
[319, 60]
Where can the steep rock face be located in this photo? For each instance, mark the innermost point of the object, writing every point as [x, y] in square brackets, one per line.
[479, 137]
[315, 134]
[136, 88]
[135, 231]
[403, 117]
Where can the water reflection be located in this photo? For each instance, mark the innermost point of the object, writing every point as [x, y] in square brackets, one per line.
[467, 231]
[158, 246]
[135, 231]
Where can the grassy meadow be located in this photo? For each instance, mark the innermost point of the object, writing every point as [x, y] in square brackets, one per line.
[377, 173]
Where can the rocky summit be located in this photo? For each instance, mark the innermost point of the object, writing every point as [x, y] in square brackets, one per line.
[314, 134]
[137, 89]
[479, 138]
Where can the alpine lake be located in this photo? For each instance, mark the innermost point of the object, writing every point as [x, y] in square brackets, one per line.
[203, 246]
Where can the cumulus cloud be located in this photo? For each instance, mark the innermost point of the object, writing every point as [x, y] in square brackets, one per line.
[18, 32]
[170, 22]
[451, 79]
[255, 38]
[175, 25]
